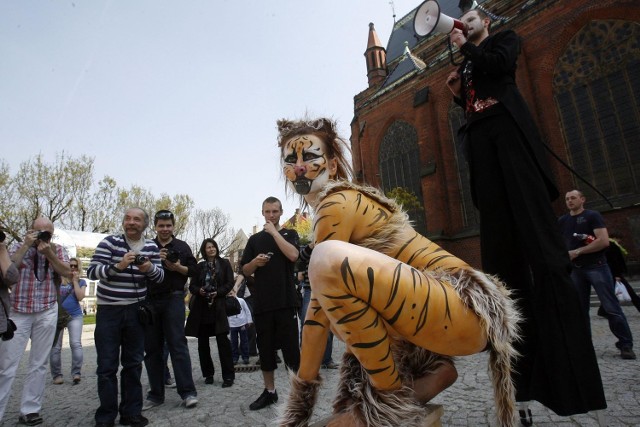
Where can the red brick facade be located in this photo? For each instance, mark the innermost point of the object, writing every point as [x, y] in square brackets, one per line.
[546, 28]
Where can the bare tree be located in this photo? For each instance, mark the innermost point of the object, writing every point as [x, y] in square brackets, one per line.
[211, 223]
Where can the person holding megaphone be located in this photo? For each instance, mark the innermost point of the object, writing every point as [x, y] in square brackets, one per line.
[512, 187]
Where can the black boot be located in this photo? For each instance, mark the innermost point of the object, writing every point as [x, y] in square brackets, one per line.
[525, 417]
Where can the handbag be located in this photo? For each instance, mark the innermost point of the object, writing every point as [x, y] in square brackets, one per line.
[232, 306]
[621, 292]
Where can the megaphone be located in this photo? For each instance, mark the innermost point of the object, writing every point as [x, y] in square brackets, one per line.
[428, 20]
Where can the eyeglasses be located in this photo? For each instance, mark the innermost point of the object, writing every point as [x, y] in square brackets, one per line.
[164, 215]
[73, 265]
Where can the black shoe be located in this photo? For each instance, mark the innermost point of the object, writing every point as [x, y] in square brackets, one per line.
[208, 380]
[525, 418]
[133, 420]
[227, 383]
[628, 354]
[30, 419]
[104, 424]
[264, 400]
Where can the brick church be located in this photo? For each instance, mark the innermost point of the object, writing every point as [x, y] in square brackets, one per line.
[576, 72]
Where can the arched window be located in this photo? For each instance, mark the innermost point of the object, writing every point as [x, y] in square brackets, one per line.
[399, 161]
[596, 86]
[470, 215]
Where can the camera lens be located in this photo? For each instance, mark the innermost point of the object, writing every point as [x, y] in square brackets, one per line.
[44, 235]
[140, 259]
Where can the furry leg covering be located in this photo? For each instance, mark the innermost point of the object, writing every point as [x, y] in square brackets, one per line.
[373, 407]
[299, 406]
[489, 299]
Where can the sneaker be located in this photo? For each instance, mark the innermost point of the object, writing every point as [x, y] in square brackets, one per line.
[627, 353]
[133, 420]
[245, 361]
[58, 380]
[32, 419]
[169, 383]
[264, 400]
[190, 401]
[235, 362]
[330, 365]
[76, 379]
[208, 380]
[148, 404]
[227, 383]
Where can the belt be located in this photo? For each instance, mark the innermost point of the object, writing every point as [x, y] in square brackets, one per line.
[480, 105]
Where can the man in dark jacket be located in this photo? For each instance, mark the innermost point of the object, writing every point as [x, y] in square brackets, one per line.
[167, 301]
[512, 188]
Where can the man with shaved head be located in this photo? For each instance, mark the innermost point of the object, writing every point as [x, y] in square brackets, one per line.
[34, 309]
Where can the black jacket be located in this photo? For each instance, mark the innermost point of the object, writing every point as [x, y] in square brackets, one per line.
[205, 320]
[494, 74]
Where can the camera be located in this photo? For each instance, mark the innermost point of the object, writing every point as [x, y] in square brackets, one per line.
[140, 259]
[2, 236]
[269, 255]
[209, 292]
[44, 235]
[172, 255]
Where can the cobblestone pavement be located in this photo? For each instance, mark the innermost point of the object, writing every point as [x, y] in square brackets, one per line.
[466, 403]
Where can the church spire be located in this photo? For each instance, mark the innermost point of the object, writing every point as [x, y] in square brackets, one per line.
[376, 56]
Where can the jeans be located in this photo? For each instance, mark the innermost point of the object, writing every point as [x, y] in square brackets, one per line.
[75, 342]
[119, 338]
[328, 350]
[168, 325]
[600, 278]
[40, 328]
[242, 333]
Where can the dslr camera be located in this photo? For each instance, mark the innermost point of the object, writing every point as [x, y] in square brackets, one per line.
[209, 292]
[44, 235]
[172, 255]
[140, 259]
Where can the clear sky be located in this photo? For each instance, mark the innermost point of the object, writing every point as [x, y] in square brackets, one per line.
[181, 96]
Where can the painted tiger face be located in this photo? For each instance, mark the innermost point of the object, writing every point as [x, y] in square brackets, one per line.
[305, 164]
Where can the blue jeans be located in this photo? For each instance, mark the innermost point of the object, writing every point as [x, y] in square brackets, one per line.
[241, 332]
[600, 278]
[168, 325]
[119, 337]
[75, 342]
[328, 350]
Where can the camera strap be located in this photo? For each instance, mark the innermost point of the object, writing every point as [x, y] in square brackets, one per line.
[35, 267]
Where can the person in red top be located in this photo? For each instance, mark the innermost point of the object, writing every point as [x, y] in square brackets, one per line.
[34, 310]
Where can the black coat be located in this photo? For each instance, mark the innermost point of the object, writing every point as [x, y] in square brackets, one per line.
[204, 320]
[494, 74]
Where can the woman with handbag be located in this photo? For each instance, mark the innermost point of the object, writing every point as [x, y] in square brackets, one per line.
[72, 291]
[211, 281]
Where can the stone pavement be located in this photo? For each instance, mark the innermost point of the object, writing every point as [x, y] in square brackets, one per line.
[466, 403]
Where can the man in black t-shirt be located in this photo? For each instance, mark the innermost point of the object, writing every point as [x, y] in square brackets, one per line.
[270, 256]
[167, 302]
[587, 239]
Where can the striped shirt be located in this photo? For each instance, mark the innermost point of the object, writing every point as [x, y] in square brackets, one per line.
[130, 285]
[35, 294]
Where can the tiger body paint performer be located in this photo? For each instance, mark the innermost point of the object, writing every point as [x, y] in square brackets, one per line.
[402, 304]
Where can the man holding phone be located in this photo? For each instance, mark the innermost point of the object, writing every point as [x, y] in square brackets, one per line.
[270, 256]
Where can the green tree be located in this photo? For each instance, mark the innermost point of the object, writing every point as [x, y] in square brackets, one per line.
[406, 198]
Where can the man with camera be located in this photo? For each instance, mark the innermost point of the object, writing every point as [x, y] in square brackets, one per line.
[167, 302]
[34, 310]
[124, 265]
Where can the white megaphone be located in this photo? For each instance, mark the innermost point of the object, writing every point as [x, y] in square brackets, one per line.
[428, 20]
